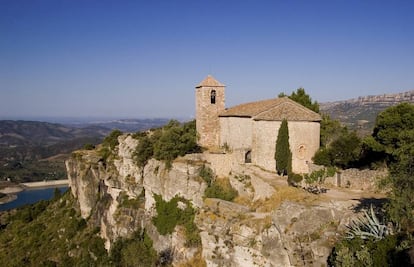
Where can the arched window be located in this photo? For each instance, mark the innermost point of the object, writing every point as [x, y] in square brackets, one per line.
[213, 97]
[248, 157]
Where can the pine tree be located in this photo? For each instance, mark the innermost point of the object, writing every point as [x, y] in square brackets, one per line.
[283, 155]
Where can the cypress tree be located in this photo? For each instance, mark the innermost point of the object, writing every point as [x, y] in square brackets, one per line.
[283, 155]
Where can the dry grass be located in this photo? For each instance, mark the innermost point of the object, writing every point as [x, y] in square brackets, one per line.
[223, 182]
[197, 260]
[282, 193]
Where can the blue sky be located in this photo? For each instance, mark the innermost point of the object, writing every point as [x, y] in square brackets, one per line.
[130, 59]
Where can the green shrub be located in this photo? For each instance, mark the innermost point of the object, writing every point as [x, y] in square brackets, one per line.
[88, 146]
[322, 157]
[166, 143]
[112, 139]
[319, 176]
[169, 216]
[176, 140]
[135, 251]
[144, 150]
[104, 153]
[344, 152]
[371, 252]
[330, 171]
[207, 174]
[294, 178]
[222, 190]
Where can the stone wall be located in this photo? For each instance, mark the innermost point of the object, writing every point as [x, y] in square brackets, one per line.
[236, 133]
[223, 164]
[264, 143]
[303, 141]
[366, 180]
[207, 120]
[354, 178]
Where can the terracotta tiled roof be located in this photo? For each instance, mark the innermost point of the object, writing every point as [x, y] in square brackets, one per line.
[275, 109]
[209, 81]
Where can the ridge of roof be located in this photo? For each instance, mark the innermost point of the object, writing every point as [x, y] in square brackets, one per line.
[275, 109]
[210, 81]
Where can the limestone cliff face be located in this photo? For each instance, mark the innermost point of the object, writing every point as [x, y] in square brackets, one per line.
[100, 188]
[244, 234]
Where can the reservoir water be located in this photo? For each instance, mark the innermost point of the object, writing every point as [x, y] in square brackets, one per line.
[31, 196]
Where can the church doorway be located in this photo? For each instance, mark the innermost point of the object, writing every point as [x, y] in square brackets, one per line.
[248, 157]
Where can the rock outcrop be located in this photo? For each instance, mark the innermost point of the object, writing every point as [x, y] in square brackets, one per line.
[263, 227]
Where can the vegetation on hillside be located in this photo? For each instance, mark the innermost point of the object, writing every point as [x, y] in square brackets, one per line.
[343, 152]
[169, 215]
[393, 138]
[29, 237]
[33, 151]
[222, 189]
[166, 143]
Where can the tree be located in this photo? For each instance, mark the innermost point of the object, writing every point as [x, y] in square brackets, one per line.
[401, 206]
[394, 136]
[346, 150]
[304, 99]
[330, 130]
[391, 124]
[283, 155]
[343, 152]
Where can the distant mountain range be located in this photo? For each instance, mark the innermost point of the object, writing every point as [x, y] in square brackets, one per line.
[124, 125]
[360, 113]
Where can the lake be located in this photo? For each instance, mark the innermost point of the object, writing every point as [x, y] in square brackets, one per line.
[31, 196]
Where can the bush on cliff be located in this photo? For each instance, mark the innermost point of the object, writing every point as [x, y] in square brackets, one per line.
[169, 215]
[222, 189]
[166, 143]
[134, 251]
[112, 139]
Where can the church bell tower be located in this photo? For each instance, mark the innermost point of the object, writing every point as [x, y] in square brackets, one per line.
[210, 102]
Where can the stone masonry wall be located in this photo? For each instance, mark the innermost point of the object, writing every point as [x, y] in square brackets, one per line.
[303, 141]
[207, 120]
[264, 142]
[358, 179]
[236, 133]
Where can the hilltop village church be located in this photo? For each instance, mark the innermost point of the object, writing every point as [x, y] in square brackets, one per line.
[250, 130]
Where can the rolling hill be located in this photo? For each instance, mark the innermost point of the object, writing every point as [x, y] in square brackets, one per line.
[360, 113]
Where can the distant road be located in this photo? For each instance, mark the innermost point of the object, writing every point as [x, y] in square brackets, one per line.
[47, 183]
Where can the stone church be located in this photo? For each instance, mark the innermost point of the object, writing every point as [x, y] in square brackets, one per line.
[249, 131]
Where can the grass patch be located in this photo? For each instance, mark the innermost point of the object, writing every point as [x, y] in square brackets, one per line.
[282, 194]
[221, 188]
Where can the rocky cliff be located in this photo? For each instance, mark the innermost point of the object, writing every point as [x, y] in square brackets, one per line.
[268, 224]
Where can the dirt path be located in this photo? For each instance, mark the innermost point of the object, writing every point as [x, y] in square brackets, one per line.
[333, 193]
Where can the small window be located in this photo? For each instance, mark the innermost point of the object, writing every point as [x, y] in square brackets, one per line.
[213, 97]
[248, 157]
